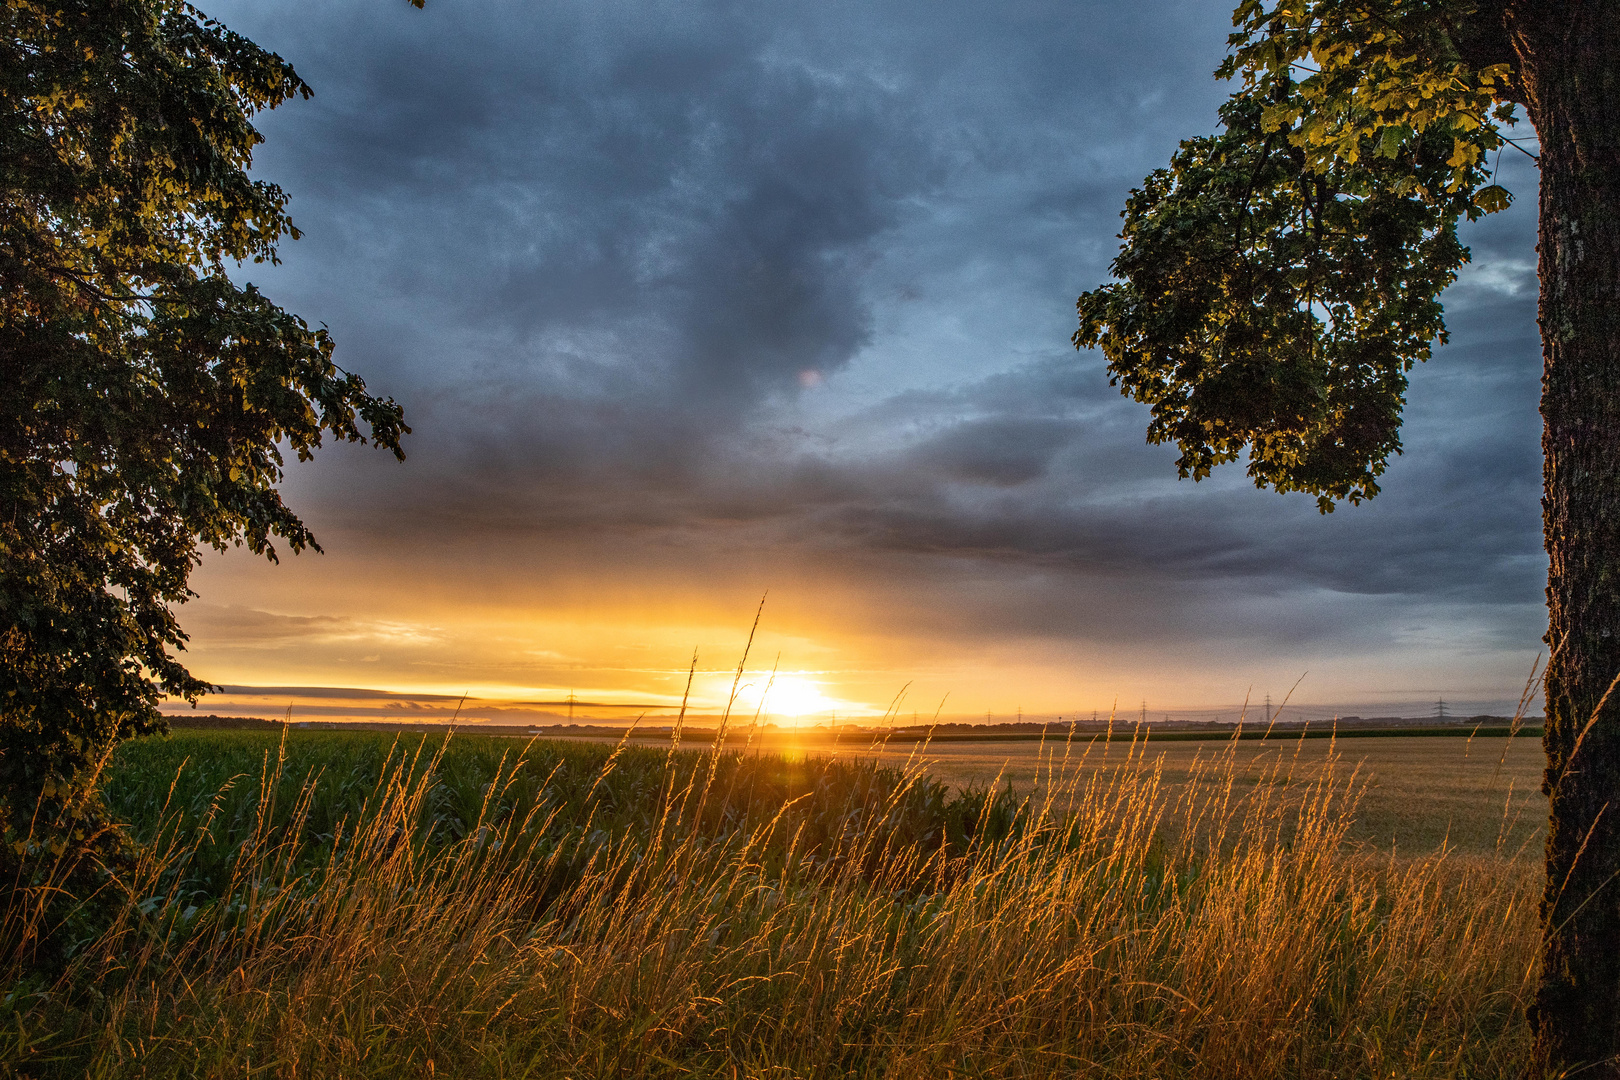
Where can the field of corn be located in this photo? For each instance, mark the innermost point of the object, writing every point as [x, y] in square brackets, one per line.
[330, 904]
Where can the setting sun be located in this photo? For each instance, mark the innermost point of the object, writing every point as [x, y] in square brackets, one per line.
[792, 695]
[792, 698]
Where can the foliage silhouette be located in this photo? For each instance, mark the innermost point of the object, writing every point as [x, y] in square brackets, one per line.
[147, 400]
[1281, 277]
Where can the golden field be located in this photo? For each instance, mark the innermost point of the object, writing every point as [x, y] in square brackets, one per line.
[338, 906]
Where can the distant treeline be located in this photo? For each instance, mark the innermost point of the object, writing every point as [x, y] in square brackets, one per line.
[215, 722]
[1345, 727]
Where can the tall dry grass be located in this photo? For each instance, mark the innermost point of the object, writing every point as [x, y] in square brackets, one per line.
[1115, 930]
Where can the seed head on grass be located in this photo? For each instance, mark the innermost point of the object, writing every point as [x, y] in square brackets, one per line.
[594, 911]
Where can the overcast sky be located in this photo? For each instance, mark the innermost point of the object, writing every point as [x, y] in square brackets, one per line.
[691, 301]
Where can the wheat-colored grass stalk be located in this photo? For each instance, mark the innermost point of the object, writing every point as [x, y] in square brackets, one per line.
[1118, 930]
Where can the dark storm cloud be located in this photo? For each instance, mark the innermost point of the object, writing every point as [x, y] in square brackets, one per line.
[1004, 452]
[257, 628]
[810, 269]
[338, 692]
[1055, 498]
[633, 210]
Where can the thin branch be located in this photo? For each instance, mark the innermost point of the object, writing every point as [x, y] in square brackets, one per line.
[101, 294]
[1521, 149]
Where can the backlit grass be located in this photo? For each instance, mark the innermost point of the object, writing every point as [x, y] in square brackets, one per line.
[349, 907]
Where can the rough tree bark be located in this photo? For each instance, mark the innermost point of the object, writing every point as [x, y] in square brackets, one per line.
[1569, 66]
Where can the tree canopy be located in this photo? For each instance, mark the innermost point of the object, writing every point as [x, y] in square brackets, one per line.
[147, 400]
[1280, 278]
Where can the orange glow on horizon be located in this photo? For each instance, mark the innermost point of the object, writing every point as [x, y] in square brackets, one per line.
[795, 698]
[337, 637]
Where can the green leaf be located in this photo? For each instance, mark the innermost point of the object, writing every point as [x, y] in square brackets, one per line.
[1493, 198]
[1389, 143]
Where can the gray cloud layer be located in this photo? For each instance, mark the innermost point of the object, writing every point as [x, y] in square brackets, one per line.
[807, 271]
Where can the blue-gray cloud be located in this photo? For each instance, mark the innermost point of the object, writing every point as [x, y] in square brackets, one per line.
[809, 270]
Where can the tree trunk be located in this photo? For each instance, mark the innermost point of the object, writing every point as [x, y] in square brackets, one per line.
[1568, 52]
